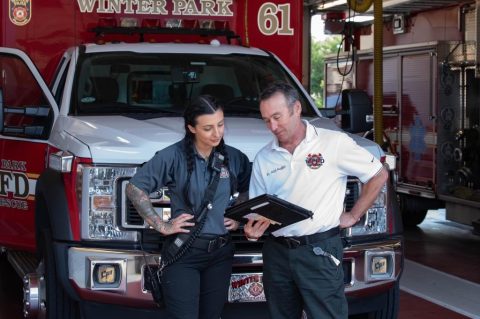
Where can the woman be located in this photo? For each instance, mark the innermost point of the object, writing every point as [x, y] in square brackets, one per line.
[196, 285]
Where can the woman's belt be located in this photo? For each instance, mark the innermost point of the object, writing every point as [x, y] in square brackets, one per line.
[211, 243]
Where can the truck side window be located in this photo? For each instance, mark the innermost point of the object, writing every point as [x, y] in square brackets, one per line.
[61, 85]
[21, 92]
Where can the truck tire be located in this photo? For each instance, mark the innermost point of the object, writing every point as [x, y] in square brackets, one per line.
[414, 209]
[391, 306]
[58, 304]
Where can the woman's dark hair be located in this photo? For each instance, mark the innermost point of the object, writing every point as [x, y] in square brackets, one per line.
[204, 104]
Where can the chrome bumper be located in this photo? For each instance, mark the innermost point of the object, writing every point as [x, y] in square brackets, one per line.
[85, 268]
[364, 259]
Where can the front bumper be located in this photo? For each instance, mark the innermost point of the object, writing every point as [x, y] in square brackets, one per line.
[126, 267]
[364, 281]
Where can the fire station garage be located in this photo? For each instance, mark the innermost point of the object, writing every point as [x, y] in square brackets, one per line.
[90, 90]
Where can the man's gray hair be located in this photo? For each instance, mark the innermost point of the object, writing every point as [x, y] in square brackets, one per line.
[286, 89]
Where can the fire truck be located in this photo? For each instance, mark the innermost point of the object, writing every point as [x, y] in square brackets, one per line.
[91, 89]
[430, 101]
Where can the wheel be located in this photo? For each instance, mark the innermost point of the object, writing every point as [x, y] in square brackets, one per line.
[414, 210]
[391, 306]
[44, 296]
[56, 301]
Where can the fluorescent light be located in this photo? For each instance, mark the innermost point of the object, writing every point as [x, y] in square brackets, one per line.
[360, 18]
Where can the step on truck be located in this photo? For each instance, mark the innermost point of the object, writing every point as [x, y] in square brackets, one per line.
[90, 90]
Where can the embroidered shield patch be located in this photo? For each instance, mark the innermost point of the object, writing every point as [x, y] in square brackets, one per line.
[20, 11]
[314, 161]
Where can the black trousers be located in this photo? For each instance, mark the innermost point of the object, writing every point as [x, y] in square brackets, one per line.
[297, 279]
[196, 286]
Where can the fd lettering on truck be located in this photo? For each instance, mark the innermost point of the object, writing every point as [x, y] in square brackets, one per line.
[15, 182]
[101, 88]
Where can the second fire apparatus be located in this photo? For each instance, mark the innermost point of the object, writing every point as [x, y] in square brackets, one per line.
[431, 112]
[90, 90]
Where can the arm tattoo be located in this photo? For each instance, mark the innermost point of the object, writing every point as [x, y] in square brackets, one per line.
[144, 207]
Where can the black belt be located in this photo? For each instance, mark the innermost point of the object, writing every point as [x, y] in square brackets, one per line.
[294, 242]
[211, 242]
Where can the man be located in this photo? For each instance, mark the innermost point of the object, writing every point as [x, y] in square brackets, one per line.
[307, 166]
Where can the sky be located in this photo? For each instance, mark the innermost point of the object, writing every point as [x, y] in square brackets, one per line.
[317, 28]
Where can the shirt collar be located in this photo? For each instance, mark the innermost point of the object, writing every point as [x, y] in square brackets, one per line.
[197, 154]
[309, 136]
[311, 132]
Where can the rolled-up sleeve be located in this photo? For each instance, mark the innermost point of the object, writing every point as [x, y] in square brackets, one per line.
[154, 174]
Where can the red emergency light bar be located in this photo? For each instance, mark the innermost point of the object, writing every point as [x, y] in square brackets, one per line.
[109, 26]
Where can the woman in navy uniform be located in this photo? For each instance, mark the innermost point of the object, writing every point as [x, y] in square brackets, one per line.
[196, 285]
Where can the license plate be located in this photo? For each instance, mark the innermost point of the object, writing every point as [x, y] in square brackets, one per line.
[246, 288]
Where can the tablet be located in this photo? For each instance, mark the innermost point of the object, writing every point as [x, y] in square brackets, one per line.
[280, 212]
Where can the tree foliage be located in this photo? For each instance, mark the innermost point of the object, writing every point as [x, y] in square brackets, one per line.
[319, 50]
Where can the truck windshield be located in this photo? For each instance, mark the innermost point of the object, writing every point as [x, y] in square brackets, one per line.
[163, 84]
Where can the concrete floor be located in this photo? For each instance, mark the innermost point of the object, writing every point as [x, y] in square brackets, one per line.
[442, 270]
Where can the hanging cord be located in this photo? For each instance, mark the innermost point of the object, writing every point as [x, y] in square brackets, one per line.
[185, 247]
[347, 37]
[155, 288]
[184, 241]
[150, 272]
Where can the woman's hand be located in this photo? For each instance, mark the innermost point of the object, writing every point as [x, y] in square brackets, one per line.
[177, 225]
[230, 224]
[255, 229]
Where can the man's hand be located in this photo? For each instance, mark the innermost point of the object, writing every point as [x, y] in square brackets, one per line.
[230, 224]
[347, 220]
[255, 229]
[370, 191]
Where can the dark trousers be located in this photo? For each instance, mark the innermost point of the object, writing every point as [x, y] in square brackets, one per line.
[196, 286]
[297, 279]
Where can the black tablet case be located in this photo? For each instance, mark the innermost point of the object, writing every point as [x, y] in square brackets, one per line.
[280, 211]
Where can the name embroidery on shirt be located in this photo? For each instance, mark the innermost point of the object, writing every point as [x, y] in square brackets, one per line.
[273, 171]
[314, 161]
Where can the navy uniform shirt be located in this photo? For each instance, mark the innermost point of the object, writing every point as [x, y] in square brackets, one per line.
[168, 167]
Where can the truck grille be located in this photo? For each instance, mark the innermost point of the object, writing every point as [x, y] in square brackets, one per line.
[151, 236]
[352, 193]
[131, 219]
[129, 216]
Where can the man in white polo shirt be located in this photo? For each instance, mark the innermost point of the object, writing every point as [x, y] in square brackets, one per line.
[307, 166]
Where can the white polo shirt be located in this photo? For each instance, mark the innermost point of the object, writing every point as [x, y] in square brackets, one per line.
[313, 177]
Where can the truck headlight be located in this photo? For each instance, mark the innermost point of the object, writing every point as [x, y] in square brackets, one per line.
[375, 220]
[99, 203]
